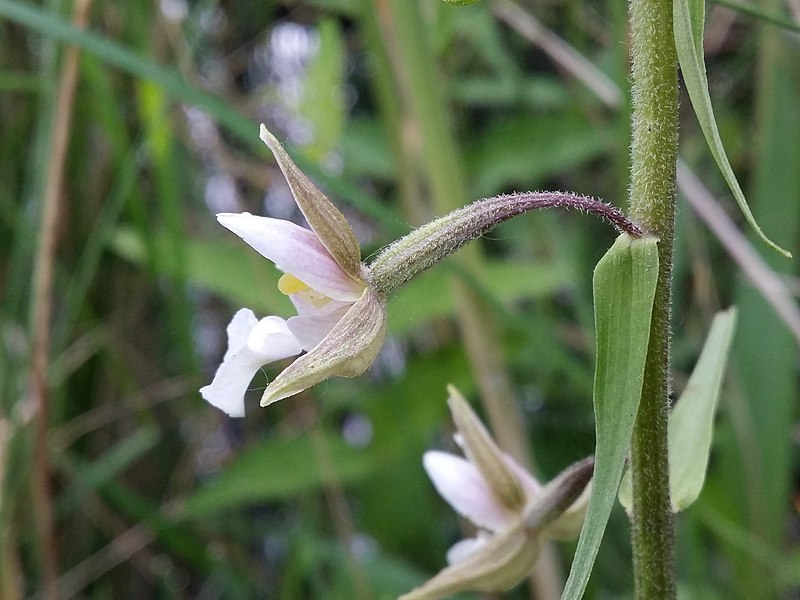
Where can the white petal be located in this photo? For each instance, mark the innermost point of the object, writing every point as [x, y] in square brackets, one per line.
[294, 250]
[239, 330]
[251, 344]
[461, 484]
[271, 340]
[461, 550]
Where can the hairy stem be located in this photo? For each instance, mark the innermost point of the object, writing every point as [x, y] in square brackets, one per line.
[424, 247]
[652, 203]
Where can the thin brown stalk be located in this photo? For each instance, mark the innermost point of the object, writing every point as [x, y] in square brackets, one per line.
[116, 552]
[337, 506]
[42, 297]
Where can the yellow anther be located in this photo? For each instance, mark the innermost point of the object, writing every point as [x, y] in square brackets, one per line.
[289, 284]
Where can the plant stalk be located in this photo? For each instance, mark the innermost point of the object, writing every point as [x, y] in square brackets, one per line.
[652, 204]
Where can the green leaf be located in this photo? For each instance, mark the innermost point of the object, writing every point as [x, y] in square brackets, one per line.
[692, 421]
[688, 17]
[624, 289]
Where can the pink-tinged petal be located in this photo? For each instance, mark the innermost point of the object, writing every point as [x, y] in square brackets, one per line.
[313, 322]
[251, 344]
[309, 309]
[294, 250]
[310, 331]
[463, 487]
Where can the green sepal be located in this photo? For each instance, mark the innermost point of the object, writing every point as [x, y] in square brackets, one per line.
[325, 219]
[347, 351]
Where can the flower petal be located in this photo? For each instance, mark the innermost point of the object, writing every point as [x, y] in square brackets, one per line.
[251, 344]
[311, 330]
[348, 350]
[294, 250]
[325, 219]
[463, 487]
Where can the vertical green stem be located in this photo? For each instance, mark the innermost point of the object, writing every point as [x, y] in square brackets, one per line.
[652, 204]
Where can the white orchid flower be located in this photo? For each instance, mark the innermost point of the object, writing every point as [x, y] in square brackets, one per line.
[340, 321]
[511, 510]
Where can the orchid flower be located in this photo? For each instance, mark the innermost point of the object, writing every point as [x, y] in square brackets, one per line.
[511, 510]
[340, 322]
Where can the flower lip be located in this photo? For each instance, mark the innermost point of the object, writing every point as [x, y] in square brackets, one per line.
[251, 343]
[297, 251]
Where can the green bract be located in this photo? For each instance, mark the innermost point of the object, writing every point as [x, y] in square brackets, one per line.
[624, 289]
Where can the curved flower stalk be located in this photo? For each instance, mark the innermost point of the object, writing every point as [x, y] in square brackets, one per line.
[512, 511]
[340, 322]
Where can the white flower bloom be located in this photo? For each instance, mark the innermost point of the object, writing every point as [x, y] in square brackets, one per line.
[340, 321]
[511, 510]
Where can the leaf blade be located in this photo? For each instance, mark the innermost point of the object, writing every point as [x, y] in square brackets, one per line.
[688, 25]
[624, 289]
[692, 420]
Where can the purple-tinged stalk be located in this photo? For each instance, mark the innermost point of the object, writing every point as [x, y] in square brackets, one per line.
[422, 248]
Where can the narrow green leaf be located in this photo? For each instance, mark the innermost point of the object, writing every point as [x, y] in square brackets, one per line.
[692, 421]
[688, 18]
[624, 289]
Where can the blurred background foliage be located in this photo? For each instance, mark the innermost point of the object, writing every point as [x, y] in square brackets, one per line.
[401, 110]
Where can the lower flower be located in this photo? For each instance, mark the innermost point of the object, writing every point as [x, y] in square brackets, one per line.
[512, 511]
